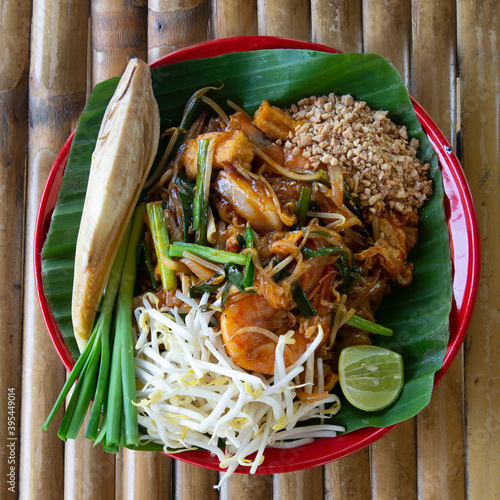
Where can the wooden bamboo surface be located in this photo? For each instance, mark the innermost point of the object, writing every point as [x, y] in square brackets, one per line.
[52, 54]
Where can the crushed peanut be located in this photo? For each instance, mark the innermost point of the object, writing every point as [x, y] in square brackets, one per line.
[380, 163]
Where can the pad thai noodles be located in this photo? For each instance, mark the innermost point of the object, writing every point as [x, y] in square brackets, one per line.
[270, 241]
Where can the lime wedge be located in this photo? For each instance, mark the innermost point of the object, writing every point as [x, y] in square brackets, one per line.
[371, 377]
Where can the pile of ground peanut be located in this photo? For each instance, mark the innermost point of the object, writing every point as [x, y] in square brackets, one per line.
[380, 163]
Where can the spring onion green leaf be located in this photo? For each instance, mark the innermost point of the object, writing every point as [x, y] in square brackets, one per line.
[300, 297]
[325, 179]
[352, 203]
[236, 277]
[281, 274]
[89, 383]
[303, 205]
[89, 357]
[187, 215]
[189, 112]
[144, 261]
[225, 291]
[186, 197]
[185, 184]
[209, 286]
[120, 375]
[328, 250]
[241, 240]
[70, 409]
[114, 407]
[75, 372]
[249, 276]
[322, 233]
[110, 448]
[348, 272]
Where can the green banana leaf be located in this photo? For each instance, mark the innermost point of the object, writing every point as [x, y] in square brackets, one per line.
[418, 314]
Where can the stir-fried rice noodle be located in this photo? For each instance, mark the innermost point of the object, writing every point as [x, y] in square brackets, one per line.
[240, 351]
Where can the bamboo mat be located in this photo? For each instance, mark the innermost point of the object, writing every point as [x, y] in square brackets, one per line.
[52, 52]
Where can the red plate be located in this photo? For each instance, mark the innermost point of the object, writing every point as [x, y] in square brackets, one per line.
[464, 243]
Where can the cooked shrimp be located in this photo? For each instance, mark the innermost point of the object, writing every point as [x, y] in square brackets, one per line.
[249, 329]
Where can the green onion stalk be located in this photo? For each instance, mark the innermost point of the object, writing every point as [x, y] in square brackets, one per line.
[124, 329]
[104, 323]
[89, 356]
[105, 370]
[200, 205]
[368, 326]
[249, 276]
[161, 243]
[121, 396]
[177, 249]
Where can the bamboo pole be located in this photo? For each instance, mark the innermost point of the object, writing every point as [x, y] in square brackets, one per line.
[287, 18]
[57, 90]
[394, 464]
[192, 482]
[147, 475]
[298, 485]
[234, 18]
[440, 425]
[246, 486]
[433, 73]
[440, 440]
[393, 458]
[119, 459]
[238, 18]
[89, 472]
[337, 24]
[349, 477]
[14, 63]
[173, 24]
[118, 34]
[387, 31]
[144, 474]
[479, 62]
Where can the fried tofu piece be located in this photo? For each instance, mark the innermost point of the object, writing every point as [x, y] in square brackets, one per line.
[274, 122]
[231, 148]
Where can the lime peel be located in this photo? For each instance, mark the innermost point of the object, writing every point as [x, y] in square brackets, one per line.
[371, 377]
